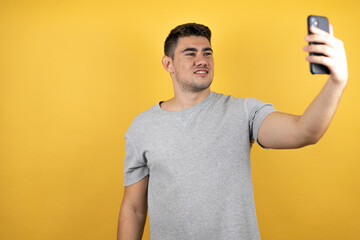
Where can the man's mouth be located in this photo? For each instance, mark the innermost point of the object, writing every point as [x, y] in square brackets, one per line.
[201, 72]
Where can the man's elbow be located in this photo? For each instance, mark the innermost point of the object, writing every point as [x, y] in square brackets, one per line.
[311, 139]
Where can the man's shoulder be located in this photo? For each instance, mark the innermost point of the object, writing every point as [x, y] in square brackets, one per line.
[146, 116]
[232, 99]
[143, 120]
[227, 99]
[239, 104]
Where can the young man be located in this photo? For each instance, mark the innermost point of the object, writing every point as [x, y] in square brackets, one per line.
[188, 159]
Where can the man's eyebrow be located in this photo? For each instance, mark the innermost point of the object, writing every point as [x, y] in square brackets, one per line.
[207, 49]
[195, 50]
[190, 50]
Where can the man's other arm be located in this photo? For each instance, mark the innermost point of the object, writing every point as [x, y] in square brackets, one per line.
[281, 130]
[133, 211]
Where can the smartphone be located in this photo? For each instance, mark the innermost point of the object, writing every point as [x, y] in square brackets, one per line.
[322, 23]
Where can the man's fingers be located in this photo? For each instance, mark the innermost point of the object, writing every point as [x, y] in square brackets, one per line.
[321, 38]
[332, 48]
[329, 62]
[317, 30]
[320, 48]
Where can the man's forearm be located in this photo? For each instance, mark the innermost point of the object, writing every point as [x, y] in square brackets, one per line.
[317, 117]
[131, 224]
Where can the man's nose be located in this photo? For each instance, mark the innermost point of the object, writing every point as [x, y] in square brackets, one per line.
[200, 60]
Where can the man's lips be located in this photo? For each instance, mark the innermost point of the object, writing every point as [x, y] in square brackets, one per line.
[201, 71]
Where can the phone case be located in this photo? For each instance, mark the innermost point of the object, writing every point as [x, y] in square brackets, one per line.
[322, 23]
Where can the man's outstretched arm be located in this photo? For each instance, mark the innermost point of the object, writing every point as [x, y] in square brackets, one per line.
[133, 211]
[281, 130]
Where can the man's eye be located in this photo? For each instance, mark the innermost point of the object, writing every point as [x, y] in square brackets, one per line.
[190, 54]
[208, 54]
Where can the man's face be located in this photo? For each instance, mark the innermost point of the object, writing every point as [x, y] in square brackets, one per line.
[193, 64]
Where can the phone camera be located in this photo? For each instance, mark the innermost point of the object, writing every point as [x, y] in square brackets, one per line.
[314, 21]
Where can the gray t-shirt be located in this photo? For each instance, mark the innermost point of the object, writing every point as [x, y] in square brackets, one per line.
[198, 161]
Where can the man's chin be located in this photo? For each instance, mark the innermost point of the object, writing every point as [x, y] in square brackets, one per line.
[200, 87]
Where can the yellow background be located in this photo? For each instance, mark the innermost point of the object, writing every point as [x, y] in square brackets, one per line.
[73, 75]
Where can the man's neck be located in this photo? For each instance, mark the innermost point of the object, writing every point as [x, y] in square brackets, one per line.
[184, 100]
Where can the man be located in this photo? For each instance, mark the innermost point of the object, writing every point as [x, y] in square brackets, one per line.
[188, 159]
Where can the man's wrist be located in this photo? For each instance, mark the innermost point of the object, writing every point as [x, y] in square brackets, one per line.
[340, 84]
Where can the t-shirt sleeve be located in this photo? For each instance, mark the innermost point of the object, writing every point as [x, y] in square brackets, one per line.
[135, 164]
[257, 112]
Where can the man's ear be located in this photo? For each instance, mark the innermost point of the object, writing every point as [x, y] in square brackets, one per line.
[167, 62]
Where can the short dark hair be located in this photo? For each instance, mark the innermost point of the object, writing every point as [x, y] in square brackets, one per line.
[184, 30]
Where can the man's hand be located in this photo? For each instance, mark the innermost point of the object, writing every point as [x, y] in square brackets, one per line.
[333, 49]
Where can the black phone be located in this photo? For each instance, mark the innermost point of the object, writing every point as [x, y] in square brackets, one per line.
[322, 23]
